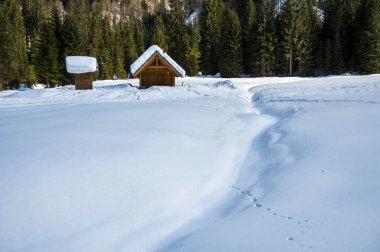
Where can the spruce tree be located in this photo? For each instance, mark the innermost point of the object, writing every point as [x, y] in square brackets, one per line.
[349, 34]
[159, 37]
[193, 53]
[264, 48]
[210, 30]
[230, 62]
[178, 36]
[56, 20]
[139, 34]
[35, 13]
[293, 41]
[13, 47]
[117, 52]
[46, 55]
[313, 61]
[332, 33]
[95, 37]
[105, 58]
[249, 37]
[4, 40]
[129, 46]
[71, 41]
[75, 30]
[369, 48]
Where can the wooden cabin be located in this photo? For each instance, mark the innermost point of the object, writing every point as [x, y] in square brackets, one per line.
[83, 69]
[156, 68]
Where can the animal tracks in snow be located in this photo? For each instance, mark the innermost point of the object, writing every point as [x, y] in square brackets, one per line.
[255, 203]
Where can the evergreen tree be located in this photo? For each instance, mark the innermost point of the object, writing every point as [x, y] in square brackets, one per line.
[105, 58]
[193, 53]
[332, 33]
[4, 39]
[293, 25]
[369, 49]
[95, 38]
[56, 20]
[46, 55]
[159, 37]
[35, 13]
[129, 46]
[71, 41]
[349, 34]
[249, 37]
[139, 34]
[12, 44]
[178, 37]
[230, 62]
[75, 30]
[210, 30]
[313, 61]
[118, 49]
[264, 48]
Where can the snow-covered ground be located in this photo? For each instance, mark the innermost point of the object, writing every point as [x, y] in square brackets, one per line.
[263, 164]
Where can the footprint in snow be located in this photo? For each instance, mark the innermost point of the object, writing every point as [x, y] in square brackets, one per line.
[305, 246]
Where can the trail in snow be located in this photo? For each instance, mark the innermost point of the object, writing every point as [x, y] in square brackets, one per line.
[308, 180]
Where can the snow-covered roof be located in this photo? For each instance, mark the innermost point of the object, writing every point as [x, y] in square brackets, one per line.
[149, 53]
[80, 64]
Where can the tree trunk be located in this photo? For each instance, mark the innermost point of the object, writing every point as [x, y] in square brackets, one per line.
[291, 60]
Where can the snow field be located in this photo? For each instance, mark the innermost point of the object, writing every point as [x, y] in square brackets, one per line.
[116, 168]
[310, 179]
[261, 164]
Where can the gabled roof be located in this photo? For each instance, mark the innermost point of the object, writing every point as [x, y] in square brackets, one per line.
[80, 64]
[144, 58]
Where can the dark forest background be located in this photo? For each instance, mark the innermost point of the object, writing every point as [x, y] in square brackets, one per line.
[231, 37]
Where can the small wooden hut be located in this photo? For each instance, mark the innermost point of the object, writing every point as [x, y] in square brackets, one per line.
[83, 69]
[156, 68]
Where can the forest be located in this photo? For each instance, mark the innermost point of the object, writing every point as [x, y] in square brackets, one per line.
[231, 37]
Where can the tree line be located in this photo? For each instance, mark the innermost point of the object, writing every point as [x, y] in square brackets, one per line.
[230, 37]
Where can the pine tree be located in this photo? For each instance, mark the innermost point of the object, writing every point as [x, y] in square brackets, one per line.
[193, 53]
[105, 58]
[129, 45]
[178, 37]
[293, 41]
[118, 55]
[210, 30]
[71, 41]
[369, 48]
[249, 37]
[139, 34]
[230, 62]
[264, 48]
[75, 30]
[332, 33]
[46, 55]
[35, 13]
[159, 37]
[313, 61]
[95, 38]
[13, 47]
[349, 34]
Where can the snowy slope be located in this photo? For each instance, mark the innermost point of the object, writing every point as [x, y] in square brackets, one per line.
[116, 168]
[310, 181]
[266, 164]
